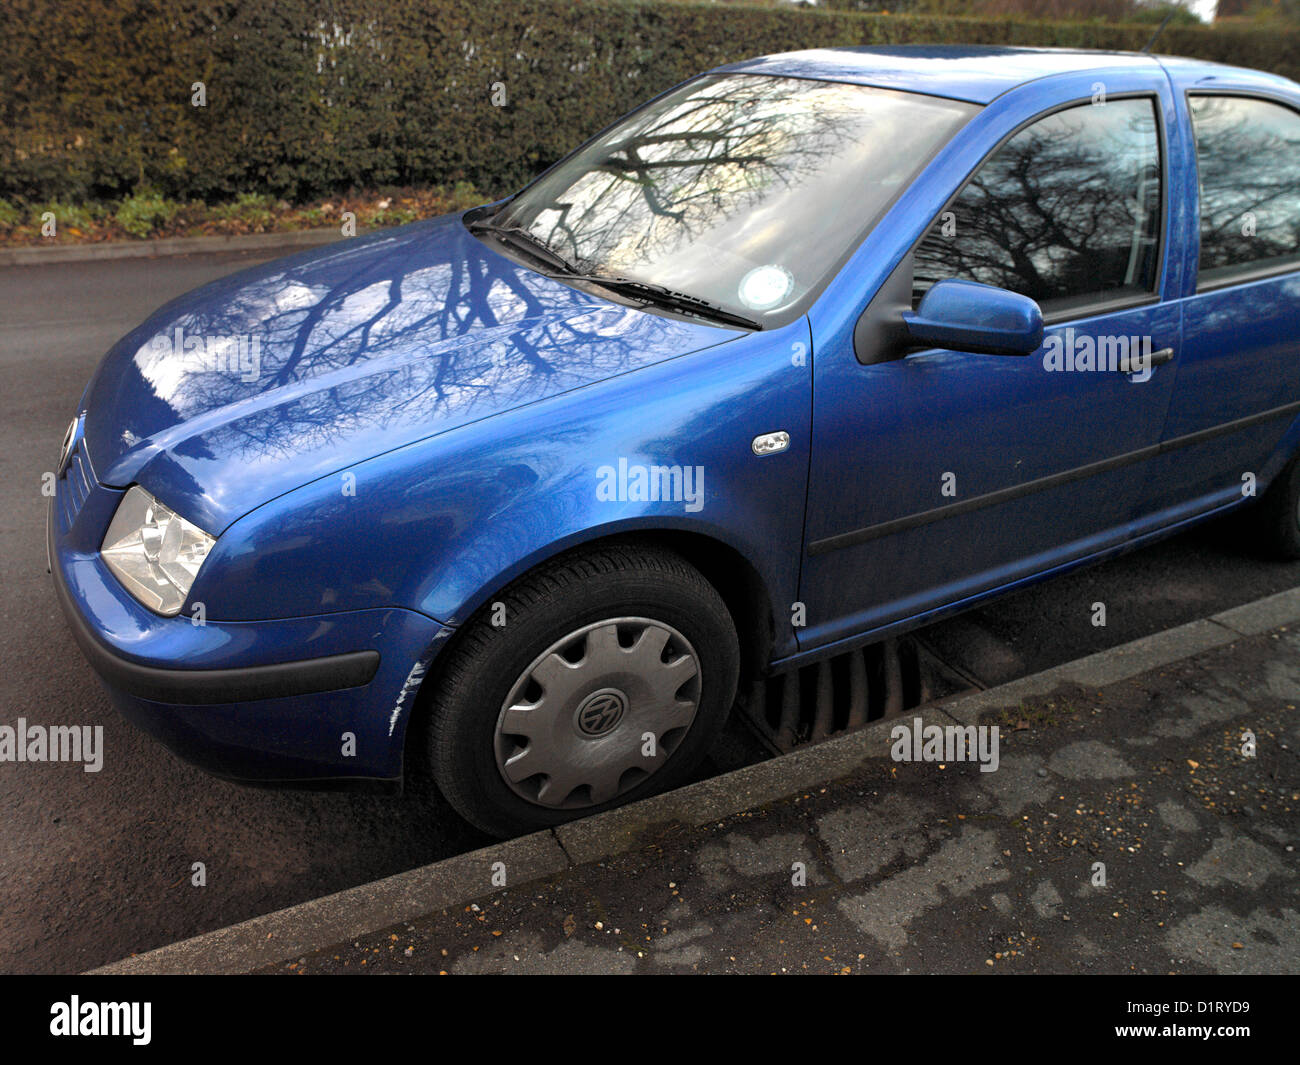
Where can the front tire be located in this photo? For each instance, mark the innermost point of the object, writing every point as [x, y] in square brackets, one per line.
[611, 676]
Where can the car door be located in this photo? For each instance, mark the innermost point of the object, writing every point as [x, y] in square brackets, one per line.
[1238, 373]
[942, 475]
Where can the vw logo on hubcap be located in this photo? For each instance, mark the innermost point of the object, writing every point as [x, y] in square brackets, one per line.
[601, 712]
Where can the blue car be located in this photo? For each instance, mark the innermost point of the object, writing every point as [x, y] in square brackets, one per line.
[805, 352]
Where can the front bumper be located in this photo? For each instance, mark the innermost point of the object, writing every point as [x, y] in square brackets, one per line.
[313, 700]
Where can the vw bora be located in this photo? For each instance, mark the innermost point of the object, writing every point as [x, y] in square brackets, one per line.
[805, 352]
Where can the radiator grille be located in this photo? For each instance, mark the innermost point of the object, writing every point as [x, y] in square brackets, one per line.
[74, 486]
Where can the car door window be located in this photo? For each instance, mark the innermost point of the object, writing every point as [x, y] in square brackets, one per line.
[1066, 211]
[1248, 162]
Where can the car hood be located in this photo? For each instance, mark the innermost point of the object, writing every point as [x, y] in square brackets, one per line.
[260, 382]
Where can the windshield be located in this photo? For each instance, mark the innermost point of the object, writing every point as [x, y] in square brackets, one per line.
[742, 190]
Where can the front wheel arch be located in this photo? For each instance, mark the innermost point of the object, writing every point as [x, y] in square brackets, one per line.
[732, 574]
[453, 721]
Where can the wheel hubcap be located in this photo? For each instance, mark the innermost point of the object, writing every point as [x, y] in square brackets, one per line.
[597, 712]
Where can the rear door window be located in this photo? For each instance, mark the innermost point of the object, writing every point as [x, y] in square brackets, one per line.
[1248, 162]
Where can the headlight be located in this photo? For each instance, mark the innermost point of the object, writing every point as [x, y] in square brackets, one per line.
[154, 552]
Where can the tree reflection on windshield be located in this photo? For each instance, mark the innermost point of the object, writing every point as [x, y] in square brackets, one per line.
[742, 189]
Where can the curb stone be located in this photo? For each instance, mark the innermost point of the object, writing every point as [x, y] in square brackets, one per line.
[349, 914]
[309, 926]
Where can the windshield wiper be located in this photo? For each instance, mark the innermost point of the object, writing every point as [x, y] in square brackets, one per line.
[649, 292]
[646, 291]
[520, 236]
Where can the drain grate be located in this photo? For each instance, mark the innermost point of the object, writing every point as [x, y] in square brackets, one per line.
[843, 693]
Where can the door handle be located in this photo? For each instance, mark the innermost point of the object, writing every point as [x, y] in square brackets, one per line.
[1136, 363]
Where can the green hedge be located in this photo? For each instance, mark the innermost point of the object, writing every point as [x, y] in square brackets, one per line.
[304, 99]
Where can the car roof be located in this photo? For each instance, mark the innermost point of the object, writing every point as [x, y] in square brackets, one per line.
[975, 73]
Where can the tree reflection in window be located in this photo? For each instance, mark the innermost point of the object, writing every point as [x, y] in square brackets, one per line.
[1248, 159]
[1066, 210]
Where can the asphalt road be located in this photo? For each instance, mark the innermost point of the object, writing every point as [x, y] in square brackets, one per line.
[94, 866]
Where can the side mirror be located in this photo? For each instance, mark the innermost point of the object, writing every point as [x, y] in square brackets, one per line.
[968, 316]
